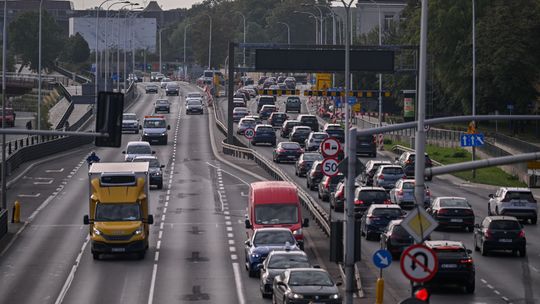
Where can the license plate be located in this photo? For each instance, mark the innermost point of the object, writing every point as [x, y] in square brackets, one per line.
[456, 220]
[291, 156]
[448, 265]
[118, 249]
[505, 240]
[518, 204]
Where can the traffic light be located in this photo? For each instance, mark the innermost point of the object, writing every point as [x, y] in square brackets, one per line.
[110, 107]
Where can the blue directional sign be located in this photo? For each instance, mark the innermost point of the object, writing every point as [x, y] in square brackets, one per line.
[382, 258]
[472, 140]
[352, 100]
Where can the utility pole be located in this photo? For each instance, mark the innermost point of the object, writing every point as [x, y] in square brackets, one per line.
[4, 51]
[473, 77]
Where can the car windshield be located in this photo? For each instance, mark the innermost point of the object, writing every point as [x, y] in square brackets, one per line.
[247, 122]
[139, 149]
[454, 203]
[264, 130]
[393, 170]
[273, 237]
[154, 123]
[162, 101]
[292, 124]
[117, 212]
[268, 109]
[310, 278]
[518, 195]
[504, 225]
[287, 261]
[319, 136]
[366, 138]
[309, 119]
[153, 163]
[408, 185]
[266, 214]
[194, 95]
[312, 156]
[129, 117]
[194, 103]
[293, 100]
[367, 195]
[386, 212]
[302, 130]
[290, 146]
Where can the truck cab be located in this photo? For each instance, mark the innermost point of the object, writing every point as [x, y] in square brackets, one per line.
[119, 219]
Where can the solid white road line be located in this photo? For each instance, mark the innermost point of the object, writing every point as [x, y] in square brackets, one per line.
[71, 275]
[238, 281]
[152, 285]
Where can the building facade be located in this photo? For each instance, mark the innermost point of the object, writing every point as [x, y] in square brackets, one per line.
[368, 13]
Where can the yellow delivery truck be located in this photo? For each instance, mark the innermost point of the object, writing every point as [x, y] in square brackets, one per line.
[118, 216]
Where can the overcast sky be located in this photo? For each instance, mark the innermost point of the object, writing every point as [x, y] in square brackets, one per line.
[165, 4]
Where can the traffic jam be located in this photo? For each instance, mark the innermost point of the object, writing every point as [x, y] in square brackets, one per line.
[384, 203]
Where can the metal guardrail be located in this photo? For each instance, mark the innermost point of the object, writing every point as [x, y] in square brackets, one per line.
[319, 214]
[70, 75]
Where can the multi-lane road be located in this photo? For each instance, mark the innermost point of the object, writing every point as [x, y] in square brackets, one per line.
[500, 278]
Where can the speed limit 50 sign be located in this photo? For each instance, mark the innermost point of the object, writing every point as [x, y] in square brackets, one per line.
[330, 167]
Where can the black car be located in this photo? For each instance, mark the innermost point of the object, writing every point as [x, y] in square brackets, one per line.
[162, 105]
[366, 177]
[287, 127]
[293, 104]
[395, 239]
[305, 285]
[304, 163]
[366, 144]
[314, 175]
[309, 121]
[264, 134]
[265, 100]
[366, 196]
[155, 169]
[452, 212]
[500, 233]
[266, 111]
[151, 88]
[327, 185]
[299, 134]
[287, 151]
[335, 130]
[276, 263]
[277, 119]
[456, 266]
[377, 217]
[406, 160]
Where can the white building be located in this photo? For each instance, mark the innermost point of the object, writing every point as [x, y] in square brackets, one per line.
[136, 33]
[368, 13]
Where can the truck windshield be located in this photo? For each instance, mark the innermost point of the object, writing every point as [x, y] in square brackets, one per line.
[268, 214]
[118, 212]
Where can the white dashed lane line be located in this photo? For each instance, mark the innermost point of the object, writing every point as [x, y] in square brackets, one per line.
[498, 293]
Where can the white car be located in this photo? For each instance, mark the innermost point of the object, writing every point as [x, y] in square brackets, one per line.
[137, 148]
[164, 82]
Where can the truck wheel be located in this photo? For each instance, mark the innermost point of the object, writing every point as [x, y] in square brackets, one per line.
[95, 255]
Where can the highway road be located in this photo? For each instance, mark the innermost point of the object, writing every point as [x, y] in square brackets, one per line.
[500, 278]
[196, 245]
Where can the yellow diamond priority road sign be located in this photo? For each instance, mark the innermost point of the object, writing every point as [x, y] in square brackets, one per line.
[419, 224]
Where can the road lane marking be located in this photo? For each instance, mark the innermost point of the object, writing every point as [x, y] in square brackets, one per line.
[71, 275]
[55, 170]
[152, 285]
[219, 169]
[44, 183]
[29, 195]
[238, 281]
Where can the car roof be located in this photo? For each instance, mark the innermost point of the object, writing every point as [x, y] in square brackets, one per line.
[129, 113]
[277, 229]
[145, 157]
[384, 206]
[371, 188]
[240, 109]
[138, 143]
[501, 217]
[451, 197]
[517, 189]
[265, 126]
[287, 252]
[390, 166]
[306, 269]
[443, 244]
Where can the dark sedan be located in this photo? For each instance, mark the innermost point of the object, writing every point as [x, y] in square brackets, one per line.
[304, 163]
[328, 185]
[305, 285]
[287, 151]
[276, 119]
[395, 239]
[500, 233]
[264, 134]
[452, 212]
[314, 175]
[276, 263]
[299, 134]
[287, 127]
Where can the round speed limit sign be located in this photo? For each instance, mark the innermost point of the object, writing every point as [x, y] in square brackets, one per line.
[330, 167]
[249, 133]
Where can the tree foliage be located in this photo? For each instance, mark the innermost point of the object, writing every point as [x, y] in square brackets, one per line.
[23, 39]
[75, 50]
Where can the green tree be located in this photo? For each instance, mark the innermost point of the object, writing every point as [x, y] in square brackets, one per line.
[76, 49]
[23, 39]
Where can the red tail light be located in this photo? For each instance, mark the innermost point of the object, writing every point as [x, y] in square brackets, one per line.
[466, 262]
[488, 234]
[468, 212]
[358, 202]
[340, 194]
[400, 192]
[442, 211]
[388, 202]
[521, 234]
[404, 176]
[280, 150]
[408, 162]
[428, 193]
[381, 176]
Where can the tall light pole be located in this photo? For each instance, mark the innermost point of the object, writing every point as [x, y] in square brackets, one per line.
[118, 45]
[97, 76]
[244, 49]
[210, 43]
[316, 24]
[4, 58]
[473, 75]
[185, 67]
[39, 66]
[288, 31]
[106, 53]
[321, 20]
[380, 74]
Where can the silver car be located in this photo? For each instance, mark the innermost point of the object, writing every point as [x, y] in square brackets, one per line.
[314, 140]
[387, 176]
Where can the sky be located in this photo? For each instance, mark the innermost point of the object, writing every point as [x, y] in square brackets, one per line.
[165, 4]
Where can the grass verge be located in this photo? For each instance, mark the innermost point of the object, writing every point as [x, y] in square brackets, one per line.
[490, 176]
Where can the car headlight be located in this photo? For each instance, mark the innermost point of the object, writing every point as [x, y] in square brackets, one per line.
[293, 295]
[96, 231]
[157, 173]
[255, 255]
[164, 133]
[139, 231]
[297, 232]
[335, 296]
[145, 134]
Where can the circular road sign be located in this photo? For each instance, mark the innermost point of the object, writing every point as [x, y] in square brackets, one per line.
[330, 167]
[330, 147]
[382, 258]
[249, 133]
[419, 263]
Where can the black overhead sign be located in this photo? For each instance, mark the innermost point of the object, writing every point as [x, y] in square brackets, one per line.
[323, 60]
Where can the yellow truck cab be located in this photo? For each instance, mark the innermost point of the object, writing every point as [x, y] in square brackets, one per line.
[118, 216]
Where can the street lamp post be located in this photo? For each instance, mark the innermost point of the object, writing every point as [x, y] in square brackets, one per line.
[244, 49]
[380, 74]
[4, 50]
[321, 19]
[96, 77]
[39, 66]
[118, 46]
[473, 75]
[185, 67]
[316, 24]
[106, 53]
[288, 31]
[210, 43]
[127, 28]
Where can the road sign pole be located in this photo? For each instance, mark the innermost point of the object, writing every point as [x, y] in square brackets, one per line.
[350, 219]
[420, 163]
[230, 134]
